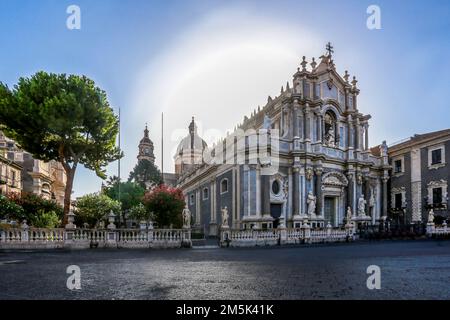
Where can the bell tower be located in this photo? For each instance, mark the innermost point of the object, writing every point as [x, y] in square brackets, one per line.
[146, 148]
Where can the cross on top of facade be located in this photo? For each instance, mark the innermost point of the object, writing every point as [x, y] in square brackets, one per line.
[329, 48]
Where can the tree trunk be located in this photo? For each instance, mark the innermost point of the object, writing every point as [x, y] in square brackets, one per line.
[70, 173]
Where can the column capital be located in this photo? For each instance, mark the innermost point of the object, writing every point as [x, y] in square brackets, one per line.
[309, 173]
[318, 171]
[350, 176]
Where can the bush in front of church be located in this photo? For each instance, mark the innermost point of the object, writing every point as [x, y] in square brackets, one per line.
[9, 210]
[93, 210]
[166, 204]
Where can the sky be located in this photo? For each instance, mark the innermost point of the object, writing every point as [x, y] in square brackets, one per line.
[217, 60]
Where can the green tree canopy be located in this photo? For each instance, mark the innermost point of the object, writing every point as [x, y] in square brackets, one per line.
[145, 172]
[95, 207]
[131, 194]
[64, 118]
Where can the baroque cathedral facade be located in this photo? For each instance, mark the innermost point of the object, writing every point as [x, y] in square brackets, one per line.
[325, 171]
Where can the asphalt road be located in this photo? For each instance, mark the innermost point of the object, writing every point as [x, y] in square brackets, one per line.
[409, 270]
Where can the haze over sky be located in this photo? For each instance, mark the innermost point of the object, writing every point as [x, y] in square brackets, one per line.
[218, 60]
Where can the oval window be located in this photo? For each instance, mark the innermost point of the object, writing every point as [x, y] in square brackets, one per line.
[276, 187]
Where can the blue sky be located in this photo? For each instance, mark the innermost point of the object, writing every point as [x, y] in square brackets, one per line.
[217, 60]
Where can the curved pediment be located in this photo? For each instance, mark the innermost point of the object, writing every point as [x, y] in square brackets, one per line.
[334, 179]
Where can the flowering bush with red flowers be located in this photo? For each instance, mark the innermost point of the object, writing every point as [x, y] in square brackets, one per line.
[166, 203]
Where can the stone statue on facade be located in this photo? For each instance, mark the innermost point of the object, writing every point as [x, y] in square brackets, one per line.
[359, 178]
[330, 138]
[267, 123]
[309, 173]
[431, 216]
[298, 88]
[186, 217]
[383, 149]
[225, 217]
[362, 206]
[349, 214]
[311, 201]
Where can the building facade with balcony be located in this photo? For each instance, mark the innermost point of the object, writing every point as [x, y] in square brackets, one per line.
[323, 164]
[419, 178]
[47, 179]
[10, 176]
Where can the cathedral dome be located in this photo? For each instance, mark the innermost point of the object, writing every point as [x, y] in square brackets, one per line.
[190, 151]
[192, 142]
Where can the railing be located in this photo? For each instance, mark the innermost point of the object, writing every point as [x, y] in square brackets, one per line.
[50, 235]
[437, 231]
[34, 238]
[167, 235]
[132, 235]
[238, 238]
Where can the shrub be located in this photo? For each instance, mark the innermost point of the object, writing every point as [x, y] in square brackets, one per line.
[94, 208]
[10, 210]
[45, 219]
[140, 213]
[32, 204]
[166, 204]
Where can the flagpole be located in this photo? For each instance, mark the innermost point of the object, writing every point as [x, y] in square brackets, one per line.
[118, 168]
[162, 147]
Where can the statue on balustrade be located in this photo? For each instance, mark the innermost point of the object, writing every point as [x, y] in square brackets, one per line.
[349, 215]
[186, 217]
[225, 217]
[311, 201]
[431, 216]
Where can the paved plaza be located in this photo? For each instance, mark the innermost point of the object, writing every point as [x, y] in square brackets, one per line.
[409, 270]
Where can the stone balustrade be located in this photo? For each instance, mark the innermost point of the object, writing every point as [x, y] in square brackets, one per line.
[34, 238]
[437, 231]
[29, 238]
[282, 236]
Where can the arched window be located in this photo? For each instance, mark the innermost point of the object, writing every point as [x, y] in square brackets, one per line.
[205, 194]
[224, 186]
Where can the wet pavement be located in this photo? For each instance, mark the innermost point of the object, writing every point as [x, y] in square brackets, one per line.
[409, 270]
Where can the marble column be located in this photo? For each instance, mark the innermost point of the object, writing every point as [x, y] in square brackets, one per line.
[350, 191]
[385, 196]
[349, 132]
[295, 191]
[367, 194]
[265, 195]
[357, 135]
[295, 116]
[307, 125]
[366, 133]
[319, 127]
[319, 191]
[212, 197]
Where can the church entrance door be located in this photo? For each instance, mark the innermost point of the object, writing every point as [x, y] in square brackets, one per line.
[275, 212]
[330, 210]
